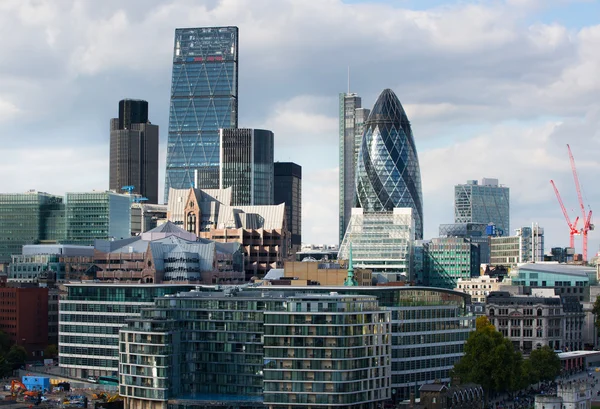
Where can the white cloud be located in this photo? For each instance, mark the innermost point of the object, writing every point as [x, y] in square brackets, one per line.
[8, 110]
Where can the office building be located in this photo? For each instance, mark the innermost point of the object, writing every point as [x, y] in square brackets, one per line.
[381, 242]
[387, 173]
[253, 364]
[564, 279]
[29, 218]
[476, 232]
[261, 230]
[134, 150]
[524, 247]
[352, 119]
[97, 215]
[246, 165]
[145, 216]
[449, 259]
[480, 287]
[332, 273]
[24, 317]
[288, 190]
[483, 203]
[91, 315]
[204, 98]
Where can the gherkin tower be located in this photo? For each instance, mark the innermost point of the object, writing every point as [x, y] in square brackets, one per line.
[388, 174]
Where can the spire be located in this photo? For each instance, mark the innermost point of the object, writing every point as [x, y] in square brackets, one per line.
[350, 280]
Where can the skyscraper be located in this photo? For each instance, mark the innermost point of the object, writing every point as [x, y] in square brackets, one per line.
[485, 203]
[134, 150]
[204, 91]
[288, 190]
[352, 118]
[246, 165]
[387, 172]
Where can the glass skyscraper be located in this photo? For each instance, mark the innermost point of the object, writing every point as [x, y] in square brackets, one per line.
[483, 203]
[204, 92]
[387, 173]
[352, 118]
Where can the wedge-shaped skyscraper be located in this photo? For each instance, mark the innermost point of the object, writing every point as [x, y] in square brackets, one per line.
[388, 174]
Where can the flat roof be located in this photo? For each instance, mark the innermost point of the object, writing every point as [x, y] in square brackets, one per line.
[556, 268]
[577, 354]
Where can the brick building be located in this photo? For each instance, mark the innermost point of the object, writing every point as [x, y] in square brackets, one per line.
[24, 317]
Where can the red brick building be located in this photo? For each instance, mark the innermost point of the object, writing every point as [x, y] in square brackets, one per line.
[24, 317]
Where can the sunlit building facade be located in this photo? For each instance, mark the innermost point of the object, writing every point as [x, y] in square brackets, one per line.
[387, 173]
[485, 203]
[204, 98]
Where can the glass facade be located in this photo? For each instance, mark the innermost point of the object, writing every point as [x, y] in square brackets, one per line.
[97, 215]
[446, 260]
[246, 165]
[485, 203]
[29, 218]
[382, 242]
[288, 189]
[352, 118]
[388, 174]
[89, 321]
[204, 98]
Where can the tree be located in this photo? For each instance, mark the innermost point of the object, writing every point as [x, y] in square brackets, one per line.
[5, 342]
[491, 360]
[596, 312]
[16, 357]
[544, 364]
[51, 351]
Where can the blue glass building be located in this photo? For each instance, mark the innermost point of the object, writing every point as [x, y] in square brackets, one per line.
[388, 174]
[203, 99]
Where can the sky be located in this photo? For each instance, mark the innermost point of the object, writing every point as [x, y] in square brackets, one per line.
[492, 89]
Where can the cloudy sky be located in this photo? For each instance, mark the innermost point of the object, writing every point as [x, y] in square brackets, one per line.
[492, 88]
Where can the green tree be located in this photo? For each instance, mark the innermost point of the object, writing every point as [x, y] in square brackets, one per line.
[596, 312]
[491, 360]
[544, 364]
[16, 357]
[51, 351]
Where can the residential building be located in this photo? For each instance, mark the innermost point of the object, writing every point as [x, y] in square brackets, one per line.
[91, 315]
[476, 232]
[485, 203]
[387, 172]
[24, 317]
[532, 321]
[134, 150]
[145, 216]
[480, 287]
[168, 253]
[246, 165]
[446, 260]
[29, 218]
[50, 262]
[204, 98]
[381, 242]
[186, 358]
[288, 190]
[261, 230]
[97, 215]
[351, 119]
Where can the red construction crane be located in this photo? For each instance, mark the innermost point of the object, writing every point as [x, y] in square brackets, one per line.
[572, 226]
[587, 219]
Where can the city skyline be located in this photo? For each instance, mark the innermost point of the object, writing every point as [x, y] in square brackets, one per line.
[493, 89]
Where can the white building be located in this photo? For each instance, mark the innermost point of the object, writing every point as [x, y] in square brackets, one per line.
[479, 287]
[569, 395]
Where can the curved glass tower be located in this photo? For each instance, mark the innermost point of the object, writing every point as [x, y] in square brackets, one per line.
[388, 174]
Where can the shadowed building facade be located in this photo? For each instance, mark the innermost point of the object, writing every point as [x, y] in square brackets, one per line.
[204, 99]
[387, 173]
[288, 190]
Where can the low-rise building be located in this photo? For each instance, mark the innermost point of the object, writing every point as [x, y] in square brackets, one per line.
[324, 273]
[480, 287]
[565, 279]
[569, 395]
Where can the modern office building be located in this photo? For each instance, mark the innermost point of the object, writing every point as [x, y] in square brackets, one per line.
[97, 215]
[288, 190]
[352, 119]
[206, 348]
[483, 203]
[526, 246]
[446, 260]
[204, 98]
[565, 279]
[134, 150]
[476, 232]
[145, 216]
[29, 218]
[246, 165]
[24, 317]
[91, 315]
[382, 242]
[41, 263]
[387, 173]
